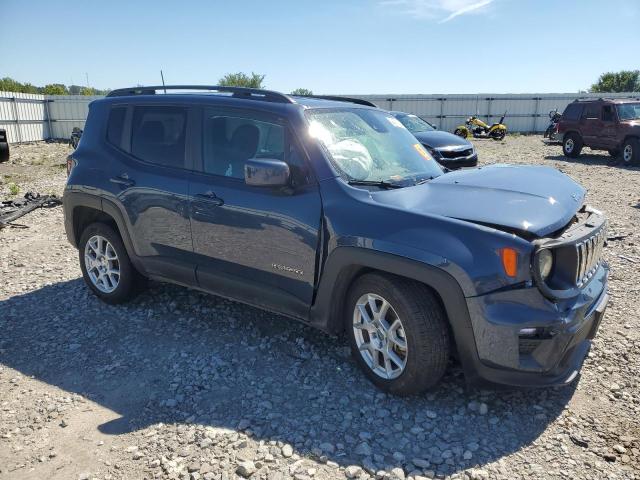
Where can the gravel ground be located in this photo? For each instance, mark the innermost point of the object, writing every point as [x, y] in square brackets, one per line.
[179, 384]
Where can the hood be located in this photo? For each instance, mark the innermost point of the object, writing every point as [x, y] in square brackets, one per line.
[439, 139]
[528, 199]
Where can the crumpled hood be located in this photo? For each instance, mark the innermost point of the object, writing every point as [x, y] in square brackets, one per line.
[537, 200]
[438, 139]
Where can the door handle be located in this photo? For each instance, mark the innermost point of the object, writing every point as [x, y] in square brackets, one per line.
[123, 180]
[211, 197]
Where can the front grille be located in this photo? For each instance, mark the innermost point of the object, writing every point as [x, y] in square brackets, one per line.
[456, 153]
[589, 256]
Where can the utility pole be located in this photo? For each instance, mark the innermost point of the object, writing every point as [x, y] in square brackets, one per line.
[162, 76]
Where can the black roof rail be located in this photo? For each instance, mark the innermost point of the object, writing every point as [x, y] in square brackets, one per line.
[336, 98]
[238, 92]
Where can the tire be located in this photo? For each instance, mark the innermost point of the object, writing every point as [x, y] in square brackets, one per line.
[572, 145]
[4, 152]
[499, 135]
[129, 281]
[423, 326]
[461, 132]
[631, 152]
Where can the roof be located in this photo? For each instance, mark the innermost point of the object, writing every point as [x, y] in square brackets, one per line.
[237, 93]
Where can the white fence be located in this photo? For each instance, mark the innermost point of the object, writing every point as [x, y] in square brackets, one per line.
[28, 117]
[525, 112]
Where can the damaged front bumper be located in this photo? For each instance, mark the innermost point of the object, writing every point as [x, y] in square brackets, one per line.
[524, 339]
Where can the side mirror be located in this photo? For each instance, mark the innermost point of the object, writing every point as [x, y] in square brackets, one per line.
[266, 172]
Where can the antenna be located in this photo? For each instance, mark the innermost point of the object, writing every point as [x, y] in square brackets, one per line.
[162, 76]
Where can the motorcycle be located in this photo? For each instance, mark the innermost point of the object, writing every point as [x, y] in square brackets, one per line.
[551, 133]
[74, 140]
[476, 127]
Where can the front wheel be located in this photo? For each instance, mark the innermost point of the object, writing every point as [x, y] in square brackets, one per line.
[398, 333]
[631, 151]
[461, 132]
[106, 266]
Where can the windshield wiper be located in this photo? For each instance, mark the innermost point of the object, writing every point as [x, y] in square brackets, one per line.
[375, 183]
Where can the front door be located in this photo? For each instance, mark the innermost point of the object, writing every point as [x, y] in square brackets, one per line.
[255, 244]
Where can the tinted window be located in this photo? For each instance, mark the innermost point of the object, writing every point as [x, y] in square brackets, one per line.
[158, 135]
[592, 112]
[115, 125]
[230, 141]
[572, 112]
[607, 113]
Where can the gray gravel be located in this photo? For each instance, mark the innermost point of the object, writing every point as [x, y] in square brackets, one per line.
[179, 384]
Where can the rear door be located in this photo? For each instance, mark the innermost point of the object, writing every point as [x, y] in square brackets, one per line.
[254, 244]
[609, 126]
[149, 184]
[591, 125]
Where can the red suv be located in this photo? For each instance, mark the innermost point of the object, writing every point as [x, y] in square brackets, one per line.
[602, 124]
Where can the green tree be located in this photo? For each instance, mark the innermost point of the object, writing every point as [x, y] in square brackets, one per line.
[8, 84]
[302, 91]
[623, 81]
[55, 89]
[241, 79]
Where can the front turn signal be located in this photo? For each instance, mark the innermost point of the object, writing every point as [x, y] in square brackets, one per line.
[509, 257]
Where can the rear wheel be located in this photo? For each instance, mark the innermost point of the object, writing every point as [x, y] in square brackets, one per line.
[398, 333]
[499, 134]
[572, 145]
[631, 151]
[105, 264]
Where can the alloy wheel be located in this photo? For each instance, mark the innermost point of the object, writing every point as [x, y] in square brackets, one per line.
[568, 145]
[627, 153]
[102, 264]
[380, 336]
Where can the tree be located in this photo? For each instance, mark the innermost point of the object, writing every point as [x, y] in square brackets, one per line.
[623, 81]
[302, 91]
[55, 89]
[241, 79]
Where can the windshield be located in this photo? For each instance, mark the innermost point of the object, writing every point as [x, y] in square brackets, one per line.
[415, 124]
[371, 145]
[629, 111]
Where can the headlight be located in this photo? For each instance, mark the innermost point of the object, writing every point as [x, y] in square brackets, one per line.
[544, 263]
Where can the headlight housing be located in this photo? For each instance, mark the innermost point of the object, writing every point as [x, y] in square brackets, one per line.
[544, 263]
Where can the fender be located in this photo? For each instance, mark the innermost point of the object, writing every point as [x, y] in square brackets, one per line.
[346, 263]
[114, 212]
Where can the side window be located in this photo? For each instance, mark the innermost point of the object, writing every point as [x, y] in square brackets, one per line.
[607, 113]
[572, 112]
[115, 126]
[158, 135]
[230, 141]
[592, 112]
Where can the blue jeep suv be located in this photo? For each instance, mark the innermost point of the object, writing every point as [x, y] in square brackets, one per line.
[330, 211]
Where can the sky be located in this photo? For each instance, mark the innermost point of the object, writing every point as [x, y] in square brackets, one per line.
[328, 46]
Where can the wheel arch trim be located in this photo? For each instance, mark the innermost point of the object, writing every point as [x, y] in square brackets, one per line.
[346, 264]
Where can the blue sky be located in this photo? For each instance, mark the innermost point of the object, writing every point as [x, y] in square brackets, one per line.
[329, 46]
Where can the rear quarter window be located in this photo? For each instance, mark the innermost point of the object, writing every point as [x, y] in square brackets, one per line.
[572, 112]
[115, 126]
